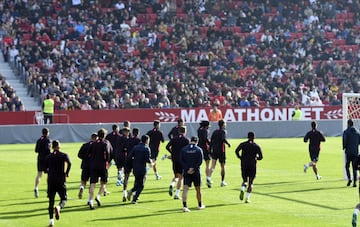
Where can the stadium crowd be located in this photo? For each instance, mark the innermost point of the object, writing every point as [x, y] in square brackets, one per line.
[184, 53]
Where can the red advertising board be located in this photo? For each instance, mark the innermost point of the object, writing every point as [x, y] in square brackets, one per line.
[171, 115]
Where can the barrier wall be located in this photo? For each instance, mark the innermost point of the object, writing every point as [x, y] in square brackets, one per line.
[12, 134]
[190, 115]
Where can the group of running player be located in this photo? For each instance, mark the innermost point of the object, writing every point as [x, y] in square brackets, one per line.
[138, 155]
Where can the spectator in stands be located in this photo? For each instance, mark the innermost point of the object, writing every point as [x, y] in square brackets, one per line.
[292, 48]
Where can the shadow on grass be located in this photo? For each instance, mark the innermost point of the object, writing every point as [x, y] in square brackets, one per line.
[161, 212]
[296, 182]
[277, 194]
[301, 201]
[26, 201]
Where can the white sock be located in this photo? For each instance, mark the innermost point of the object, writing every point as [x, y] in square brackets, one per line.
[81, 187]
[177, 192]
[243, 188]
[208, 178]
[120, 174]
[98, 196]
[91, 202]
[356, 211]
[248, 195]
[52, 221]
[89, 198]
[125, 193]
[172, 183]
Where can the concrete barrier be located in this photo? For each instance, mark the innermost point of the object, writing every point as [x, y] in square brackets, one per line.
[12, 134]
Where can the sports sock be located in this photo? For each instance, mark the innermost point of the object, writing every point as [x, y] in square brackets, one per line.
[62, 204]
[243, 188]
[199, 204]
[120, 175]
[177, 192]
[356, 211]
[81, 187]
[172, 183]
[184, 204]
[248, 195]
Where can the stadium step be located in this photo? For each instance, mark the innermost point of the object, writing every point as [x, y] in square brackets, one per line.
[21, 91]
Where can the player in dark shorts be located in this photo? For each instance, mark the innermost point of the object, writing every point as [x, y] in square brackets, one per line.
[55, 168]
[250, 154]
[174, 147]
[139, 156]
[120, 154]
[204, 144]
[156, 137]
[113, 137]
[315, 137]
[42, 148]
[191, 157]
[133, 141]
[84, 155]
[217, 148]
[99, 163]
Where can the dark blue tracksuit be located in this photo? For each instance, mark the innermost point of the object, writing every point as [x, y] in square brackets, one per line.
[351, 139]
[140, 155]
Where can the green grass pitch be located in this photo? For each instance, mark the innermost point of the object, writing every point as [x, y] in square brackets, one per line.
[283, 195]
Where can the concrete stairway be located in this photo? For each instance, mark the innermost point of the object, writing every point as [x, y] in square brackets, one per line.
[30, 103]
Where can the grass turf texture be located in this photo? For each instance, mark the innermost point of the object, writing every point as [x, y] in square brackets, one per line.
[282, 195]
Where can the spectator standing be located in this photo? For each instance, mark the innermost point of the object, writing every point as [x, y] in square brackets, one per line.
[48, 109]
[215, 114]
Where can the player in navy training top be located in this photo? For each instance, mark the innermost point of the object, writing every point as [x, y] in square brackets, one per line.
[174, 132]
[204, 144]
[350, 143]
[99, 163]
[174, 147]
[140, 155]
[55, 168]
[191, 157]
[133, 141]
[315, 137]
[250, 154]
[156, 137]
[42, 148]
[84, 155]
[217, 148]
